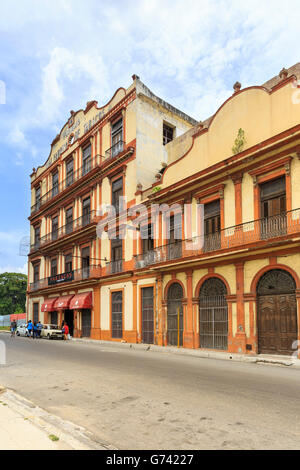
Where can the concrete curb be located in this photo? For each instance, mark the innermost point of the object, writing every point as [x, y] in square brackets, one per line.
[74, 436]
[254, 359]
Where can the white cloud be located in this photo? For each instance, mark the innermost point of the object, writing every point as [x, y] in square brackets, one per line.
[189, 52]
[14, 269]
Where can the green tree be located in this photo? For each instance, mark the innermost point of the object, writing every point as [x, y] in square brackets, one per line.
[13, 288]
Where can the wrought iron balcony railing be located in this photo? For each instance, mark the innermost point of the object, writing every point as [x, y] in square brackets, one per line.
[115, 267]
[71, 178]
[287, 223]
[89, 272]
[115, 150]
[67, 229]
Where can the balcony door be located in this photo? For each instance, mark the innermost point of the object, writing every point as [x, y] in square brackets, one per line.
[116, 255]
[85, 255]
[69, 220]
[70, 172]
[117, 138]
[86, 160]
[86, 211]
[212, 226]
[175, 233]
[273, 208]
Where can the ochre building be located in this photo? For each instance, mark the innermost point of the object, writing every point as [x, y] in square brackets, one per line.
[221, 269]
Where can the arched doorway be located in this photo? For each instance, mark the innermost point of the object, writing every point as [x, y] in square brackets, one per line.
[175, 315]
[213, 315]
[276, 312]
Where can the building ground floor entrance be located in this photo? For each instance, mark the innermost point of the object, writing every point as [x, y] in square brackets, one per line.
[277, 313]
[86, 322]
[69, 319]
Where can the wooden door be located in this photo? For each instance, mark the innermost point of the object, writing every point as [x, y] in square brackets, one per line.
[277, 313]
[175, 315]
[148, 315]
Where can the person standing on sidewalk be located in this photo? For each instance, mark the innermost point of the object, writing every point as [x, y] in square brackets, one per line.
[39, 329]
[13, 328]
[34, 331]
[65, 331]
[29, 328]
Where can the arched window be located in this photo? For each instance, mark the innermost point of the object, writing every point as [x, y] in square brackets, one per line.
[213, 315]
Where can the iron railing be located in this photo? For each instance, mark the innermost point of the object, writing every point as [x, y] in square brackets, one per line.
[115, 150]
[89, 272]
[114, 267]
[71, 178]
[287, 223]
[67, 229]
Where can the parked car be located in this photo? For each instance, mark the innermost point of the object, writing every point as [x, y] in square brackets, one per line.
[21, 330]
[52, 332]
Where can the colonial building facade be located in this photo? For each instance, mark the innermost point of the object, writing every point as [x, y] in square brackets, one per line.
[227, 279]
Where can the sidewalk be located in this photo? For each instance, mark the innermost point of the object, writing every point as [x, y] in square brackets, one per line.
[24, 426]
[208, 354]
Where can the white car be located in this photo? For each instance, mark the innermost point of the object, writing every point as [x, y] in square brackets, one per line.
[22, 330]
[52, 332]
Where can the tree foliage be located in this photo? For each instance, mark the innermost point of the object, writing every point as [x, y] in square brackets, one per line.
[13, 288]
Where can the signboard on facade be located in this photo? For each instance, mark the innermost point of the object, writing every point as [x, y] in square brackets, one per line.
[60, 278]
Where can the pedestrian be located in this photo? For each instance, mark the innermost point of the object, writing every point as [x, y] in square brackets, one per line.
[29, 328]
[13, 328]
[39, 329]
[34, 331]
[65, 331]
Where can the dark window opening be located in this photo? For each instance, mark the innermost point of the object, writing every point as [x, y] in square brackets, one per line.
[69, 220]
[117, 137]
[86, 160]
[69, 263]
[37, 236]
[37, 197]
[168, 134]
[86, 210]
[85, 262]
[273, 208]
[55, 184]
[54, 267]
[70, 172]
[147, 239]
[55, 228]
[36, 272]
[117, 193]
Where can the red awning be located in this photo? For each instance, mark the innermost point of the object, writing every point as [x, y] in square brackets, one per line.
[63, 303]
[48, 306]
[80, 301]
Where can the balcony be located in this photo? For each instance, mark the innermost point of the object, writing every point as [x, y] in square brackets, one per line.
[73, 177]
[83, 274]
[254, 232]
[68, 229]
[114, 267]
[115, 150]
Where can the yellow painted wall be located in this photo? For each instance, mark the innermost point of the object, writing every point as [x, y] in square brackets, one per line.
[258, 113]
[292, 261]
[149, 133]
[229, 273]
[295, 182]
[247, 198]
[229, 204]
[251, 268]
[198, 274]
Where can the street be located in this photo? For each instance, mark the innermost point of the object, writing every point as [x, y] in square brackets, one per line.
[148, 400]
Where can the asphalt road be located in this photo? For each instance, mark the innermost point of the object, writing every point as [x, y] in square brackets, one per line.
[148, 400]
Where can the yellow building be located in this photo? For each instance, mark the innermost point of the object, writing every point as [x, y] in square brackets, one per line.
[222, 267]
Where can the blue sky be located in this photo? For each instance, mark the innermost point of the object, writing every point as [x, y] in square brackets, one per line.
[57, 55]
